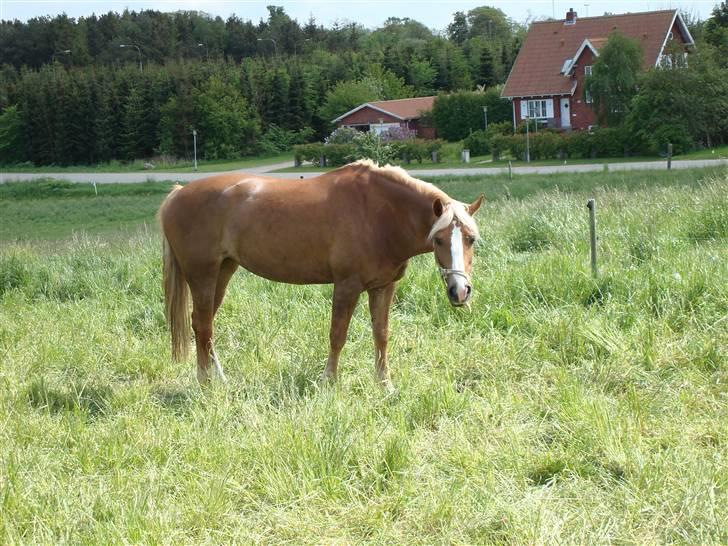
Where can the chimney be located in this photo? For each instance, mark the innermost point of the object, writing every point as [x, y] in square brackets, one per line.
[570, 17]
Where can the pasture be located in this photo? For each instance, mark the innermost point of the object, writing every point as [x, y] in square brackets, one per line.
[559, 409]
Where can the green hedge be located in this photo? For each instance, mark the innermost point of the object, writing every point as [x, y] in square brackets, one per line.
[341, 154]
[576, 145]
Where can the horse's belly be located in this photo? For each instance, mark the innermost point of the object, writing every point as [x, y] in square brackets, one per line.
[295, 264]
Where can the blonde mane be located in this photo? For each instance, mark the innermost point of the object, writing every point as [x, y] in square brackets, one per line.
[453, 210]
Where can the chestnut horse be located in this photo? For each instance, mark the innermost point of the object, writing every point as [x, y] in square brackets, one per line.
[355, 227]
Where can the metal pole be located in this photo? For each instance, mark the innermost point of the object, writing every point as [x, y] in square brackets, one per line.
[485, 114]
[207, 51]
[669, 156]
[194, 145]
[591, 205]
[510, 170]
[528, 142]
[139, 51]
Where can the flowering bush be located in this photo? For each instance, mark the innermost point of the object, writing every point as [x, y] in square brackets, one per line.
[342, 135]
[397, 134]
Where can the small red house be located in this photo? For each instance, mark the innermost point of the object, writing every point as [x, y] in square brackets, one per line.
[547, 80]
[379, 116]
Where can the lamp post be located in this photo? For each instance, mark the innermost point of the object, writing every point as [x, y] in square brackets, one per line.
[485, 113]
[528, 142]
[207, 51]
[194, 145]
[138, 51]
[275, 44]
[53, 59]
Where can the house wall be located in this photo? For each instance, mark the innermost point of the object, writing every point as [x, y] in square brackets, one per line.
[367, 115]
[582, 115]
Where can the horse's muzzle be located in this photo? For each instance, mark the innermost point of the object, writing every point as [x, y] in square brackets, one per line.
[459, 293]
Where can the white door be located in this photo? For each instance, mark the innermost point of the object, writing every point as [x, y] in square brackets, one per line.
[565, 114]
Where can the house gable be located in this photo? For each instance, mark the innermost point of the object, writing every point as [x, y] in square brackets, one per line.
[540, 67]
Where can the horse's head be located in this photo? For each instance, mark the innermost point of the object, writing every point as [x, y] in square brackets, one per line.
[453, 236]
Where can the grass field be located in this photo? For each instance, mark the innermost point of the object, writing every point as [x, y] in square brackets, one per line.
[175, 166]
[560, 409]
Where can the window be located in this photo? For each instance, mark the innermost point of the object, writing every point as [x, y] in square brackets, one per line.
[537, 109]
[587, 95]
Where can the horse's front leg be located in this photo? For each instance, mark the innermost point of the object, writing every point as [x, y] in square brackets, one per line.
[346, 295]
[380, 300]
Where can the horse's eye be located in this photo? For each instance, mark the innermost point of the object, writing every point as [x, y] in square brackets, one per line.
[438, 241]
[470, 240]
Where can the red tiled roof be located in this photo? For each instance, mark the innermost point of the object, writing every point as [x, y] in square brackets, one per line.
[400, 108]
[537, 70]
[406, 108]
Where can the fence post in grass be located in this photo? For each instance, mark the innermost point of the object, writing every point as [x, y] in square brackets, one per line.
[591, 205]
[510, 170]
[669, 156]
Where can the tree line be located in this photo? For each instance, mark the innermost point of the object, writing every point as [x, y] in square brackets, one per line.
[70, 94]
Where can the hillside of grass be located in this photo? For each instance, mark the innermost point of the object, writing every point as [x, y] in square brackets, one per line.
[559, 409]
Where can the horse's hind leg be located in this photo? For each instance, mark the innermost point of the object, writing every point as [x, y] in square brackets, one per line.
[380, 300]
[346, 295]
[203, 288]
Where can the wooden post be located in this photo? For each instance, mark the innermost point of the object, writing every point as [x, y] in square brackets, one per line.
[669, 156]
[591, 205]
[510, 170]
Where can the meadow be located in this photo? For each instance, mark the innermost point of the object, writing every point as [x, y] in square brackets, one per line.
[560, 408]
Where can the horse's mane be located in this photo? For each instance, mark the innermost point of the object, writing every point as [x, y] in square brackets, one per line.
[454, 210]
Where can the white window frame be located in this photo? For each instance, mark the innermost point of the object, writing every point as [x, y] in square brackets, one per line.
[587, 96]
[537, 106]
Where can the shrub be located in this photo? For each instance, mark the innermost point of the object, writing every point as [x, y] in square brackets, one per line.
[458, 114]
[477, 142]
[342, 135]
[276, 139]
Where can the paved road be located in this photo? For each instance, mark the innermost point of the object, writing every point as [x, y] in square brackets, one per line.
[104, 178]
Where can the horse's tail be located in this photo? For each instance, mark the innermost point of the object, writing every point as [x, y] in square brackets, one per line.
[176, 294]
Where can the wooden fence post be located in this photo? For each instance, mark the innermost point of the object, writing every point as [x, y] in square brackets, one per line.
[591, 205]
[669, 156]
[510, 170]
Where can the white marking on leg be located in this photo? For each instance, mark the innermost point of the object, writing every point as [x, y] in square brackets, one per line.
[456, 249]
[216, 369]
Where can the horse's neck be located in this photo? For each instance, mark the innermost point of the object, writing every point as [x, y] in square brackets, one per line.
[414, 207]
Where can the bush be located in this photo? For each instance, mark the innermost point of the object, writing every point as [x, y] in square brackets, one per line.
[276, 139]
[477, 142]
[458, 114]
[342, 135]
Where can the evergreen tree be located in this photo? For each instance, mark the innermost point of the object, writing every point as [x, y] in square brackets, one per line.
[487, 73]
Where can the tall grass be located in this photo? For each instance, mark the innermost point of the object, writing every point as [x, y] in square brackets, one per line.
[559, 409]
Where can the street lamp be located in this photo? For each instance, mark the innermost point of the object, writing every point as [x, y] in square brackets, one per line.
[194, 140]
[485, 113]
[528, 143]
[138, 51]
[275, 45]
[207, 52]
[62, 52]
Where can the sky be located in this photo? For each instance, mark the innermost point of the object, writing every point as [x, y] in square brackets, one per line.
[435, 14]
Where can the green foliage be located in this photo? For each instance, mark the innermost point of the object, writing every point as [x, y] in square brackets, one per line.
[614, 78]
[347, 95]
[546, 144]
[684, 106]
[227, 127]
[600, 416]
[277, 139]
[12, 145]
[457, 114]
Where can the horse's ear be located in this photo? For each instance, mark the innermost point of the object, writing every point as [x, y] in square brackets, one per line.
[437, 207]
[475, 205]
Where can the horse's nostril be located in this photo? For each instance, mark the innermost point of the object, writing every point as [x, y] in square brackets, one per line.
[453, 292]
[468, 289]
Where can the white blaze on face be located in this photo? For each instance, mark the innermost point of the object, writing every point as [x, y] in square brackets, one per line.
[456, 249]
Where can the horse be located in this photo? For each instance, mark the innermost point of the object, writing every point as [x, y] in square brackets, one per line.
[356, 227]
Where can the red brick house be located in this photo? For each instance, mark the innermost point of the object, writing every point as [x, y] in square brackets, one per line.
[379, 116]
[547, 80]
